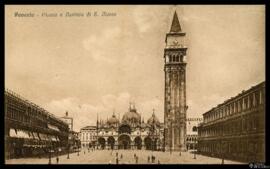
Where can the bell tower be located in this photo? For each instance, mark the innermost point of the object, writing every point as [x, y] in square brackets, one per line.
[175, 107]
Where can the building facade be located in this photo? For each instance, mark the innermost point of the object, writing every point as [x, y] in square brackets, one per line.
[74, 142]
[68, 120]
[235, 129]
[88, 136]
[192, 133]
[30, 130]
[175, 107]
[130, 133]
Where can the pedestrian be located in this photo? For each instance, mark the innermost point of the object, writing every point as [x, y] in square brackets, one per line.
[137, 159]
[57, 160]
[116, 154]
[148, 159]
[180, 153]
[121, 156]
[134, 155]
[84, 151]
[158, 162]
[117, 161]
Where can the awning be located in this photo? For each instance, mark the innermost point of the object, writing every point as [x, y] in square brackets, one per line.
[12, 133]
[53, 127]
[43, 137]
[50, 137]
[35, 136]
[23, 134]
[54, 138]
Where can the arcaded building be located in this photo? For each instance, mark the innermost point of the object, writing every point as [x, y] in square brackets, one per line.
[192, 133]
[130, 132]
[235, 129]
[31, 130]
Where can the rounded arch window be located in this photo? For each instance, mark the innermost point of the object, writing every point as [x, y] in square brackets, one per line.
[194, 128]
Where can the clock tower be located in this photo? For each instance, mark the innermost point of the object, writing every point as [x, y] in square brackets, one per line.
[175, 107]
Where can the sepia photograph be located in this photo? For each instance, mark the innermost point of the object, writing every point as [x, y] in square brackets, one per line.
[135, 84]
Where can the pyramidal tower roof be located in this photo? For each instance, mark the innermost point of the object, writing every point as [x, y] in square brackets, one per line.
[176, 27]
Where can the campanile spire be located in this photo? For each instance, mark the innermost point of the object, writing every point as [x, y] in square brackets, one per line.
[176, 27]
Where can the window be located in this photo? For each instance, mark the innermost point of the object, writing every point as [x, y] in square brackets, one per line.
[254, 100]
[257, 98]
[251, 100]
[244, 103]
[239, 105]
[177, 58]
[261, 98]
[248, 102]
[194, 128]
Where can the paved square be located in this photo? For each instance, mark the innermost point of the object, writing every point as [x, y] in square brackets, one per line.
[109, 157]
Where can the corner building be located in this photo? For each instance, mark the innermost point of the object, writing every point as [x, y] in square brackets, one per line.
[235, 129]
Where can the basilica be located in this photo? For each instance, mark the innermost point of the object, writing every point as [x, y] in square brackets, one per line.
[130, 132]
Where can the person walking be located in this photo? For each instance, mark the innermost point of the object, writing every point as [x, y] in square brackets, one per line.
[121, 156]
[57, 160]
[148, 159]
[137, 159]
[117, 160]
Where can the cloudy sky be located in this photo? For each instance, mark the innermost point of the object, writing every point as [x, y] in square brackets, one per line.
[98, 64]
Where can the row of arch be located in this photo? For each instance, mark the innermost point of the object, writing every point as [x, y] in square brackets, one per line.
[191, 139]
[176, 58]
[125, 142]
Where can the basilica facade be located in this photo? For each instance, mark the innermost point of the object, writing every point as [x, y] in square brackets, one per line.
[130, 132]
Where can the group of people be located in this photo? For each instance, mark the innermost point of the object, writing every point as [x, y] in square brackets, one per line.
[152, 158]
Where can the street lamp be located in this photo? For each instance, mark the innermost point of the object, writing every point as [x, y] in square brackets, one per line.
[222, 154]
[194, 154]
[50, 161]
[68, 151]
[171, 137]
[50, 151]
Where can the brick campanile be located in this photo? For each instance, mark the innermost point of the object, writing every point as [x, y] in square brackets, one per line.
[175, 106]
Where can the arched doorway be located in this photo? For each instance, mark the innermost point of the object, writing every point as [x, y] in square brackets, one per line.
[138, 142]
[101, 142]
[148, 143]
[124, 142]
[124, 129]
[111, 142]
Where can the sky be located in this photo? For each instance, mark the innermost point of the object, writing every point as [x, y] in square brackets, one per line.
[99, 64]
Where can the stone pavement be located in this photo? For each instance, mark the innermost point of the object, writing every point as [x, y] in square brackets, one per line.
[109, 157]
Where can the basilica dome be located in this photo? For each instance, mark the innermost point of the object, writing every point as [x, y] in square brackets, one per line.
[131, 117]
[113, 120]
[153, 120]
